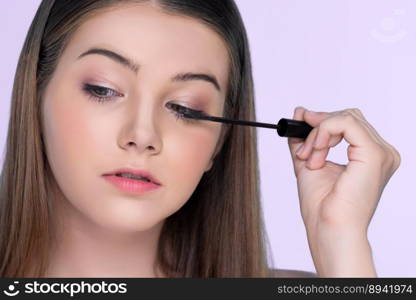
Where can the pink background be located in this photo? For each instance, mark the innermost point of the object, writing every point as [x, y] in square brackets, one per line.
[325, 56]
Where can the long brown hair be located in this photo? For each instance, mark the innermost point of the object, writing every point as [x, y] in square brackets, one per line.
[219, 232]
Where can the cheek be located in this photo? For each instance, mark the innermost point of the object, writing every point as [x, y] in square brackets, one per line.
[189, 154]
[72, 144]
[71, 135]
[185, 159]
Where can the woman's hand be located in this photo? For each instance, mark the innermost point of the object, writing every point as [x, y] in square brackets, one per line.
[338, 201]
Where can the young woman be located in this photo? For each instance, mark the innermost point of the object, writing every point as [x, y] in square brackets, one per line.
[91, 105]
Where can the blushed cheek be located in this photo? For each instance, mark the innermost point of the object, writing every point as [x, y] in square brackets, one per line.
[70, 136]
[189, 156]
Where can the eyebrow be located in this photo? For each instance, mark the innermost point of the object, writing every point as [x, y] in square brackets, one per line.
[134, 67]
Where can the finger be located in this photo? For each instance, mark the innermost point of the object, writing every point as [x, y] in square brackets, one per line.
[393, 152]
[359, 115]
[312, 118]
[346, 125]
[317, 159]
[295, 143]
[316, 118]
[371, 129]
[306, 149]
[373, 133]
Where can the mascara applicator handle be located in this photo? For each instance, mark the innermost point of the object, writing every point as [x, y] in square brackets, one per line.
[293, 128]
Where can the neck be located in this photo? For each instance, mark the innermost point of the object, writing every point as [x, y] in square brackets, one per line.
[81, 248]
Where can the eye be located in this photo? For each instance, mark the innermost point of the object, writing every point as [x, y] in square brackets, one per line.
[100, 93]
[179, 111]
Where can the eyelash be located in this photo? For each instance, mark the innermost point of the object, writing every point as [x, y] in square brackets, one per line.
[89, 90]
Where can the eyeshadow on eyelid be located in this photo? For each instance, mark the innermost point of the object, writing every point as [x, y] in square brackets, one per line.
[103, 81]
[202, 95]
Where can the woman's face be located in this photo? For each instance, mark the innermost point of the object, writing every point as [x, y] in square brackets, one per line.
[133, 127]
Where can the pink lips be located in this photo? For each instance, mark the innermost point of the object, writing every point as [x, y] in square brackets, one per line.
[136, 172]
[132, 186]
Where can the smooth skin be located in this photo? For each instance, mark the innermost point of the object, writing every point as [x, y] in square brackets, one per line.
[338, 201]
[101, 232]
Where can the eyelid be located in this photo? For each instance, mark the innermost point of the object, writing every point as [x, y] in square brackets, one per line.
[176, 111]
[105, 78]
[100, 86]
[184, 107]
[89, 88]
[103, 85]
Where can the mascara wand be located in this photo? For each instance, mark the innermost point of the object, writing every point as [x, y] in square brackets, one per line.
[285, 127]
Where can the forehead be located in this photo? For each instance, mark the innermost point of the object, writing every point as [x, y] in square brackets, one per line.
[157, 41]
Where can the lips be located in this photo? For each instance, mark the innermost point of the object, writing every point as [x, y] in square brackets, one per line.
[142, 173]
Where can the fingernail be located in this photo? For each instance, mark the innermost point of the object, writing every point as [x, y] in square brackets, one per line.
[299, 151]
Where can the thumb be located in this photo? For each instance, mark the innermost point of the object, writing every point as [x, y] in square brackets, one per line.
[313, 119]
[296, 143]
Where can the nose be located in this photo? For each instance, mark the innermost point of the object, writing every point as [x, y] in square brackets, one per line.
[140, 131]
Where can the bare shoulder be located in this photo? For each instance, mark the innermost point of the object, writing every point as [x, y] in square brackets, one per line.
[292, 273]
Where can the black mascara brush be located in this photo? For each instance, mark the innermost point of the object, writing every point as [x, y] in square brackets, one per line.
[285, 127]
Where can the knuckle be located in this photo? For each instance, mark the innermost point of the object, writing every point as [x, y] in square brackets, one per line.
[359, 113]
[396, 157]
[349, 116]
[380, 153]
[399, 158]
[354, 112]
[350, 110]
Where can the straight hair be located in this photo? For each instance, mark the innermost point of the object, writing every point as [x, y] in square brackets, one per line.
[218, 232]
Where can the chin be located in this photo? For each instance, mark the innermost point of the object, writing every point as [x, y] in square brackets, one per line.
[129, 222]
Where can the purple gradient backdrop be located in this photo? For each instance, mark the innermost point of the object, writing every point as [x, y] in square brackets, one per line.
[325, 56]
